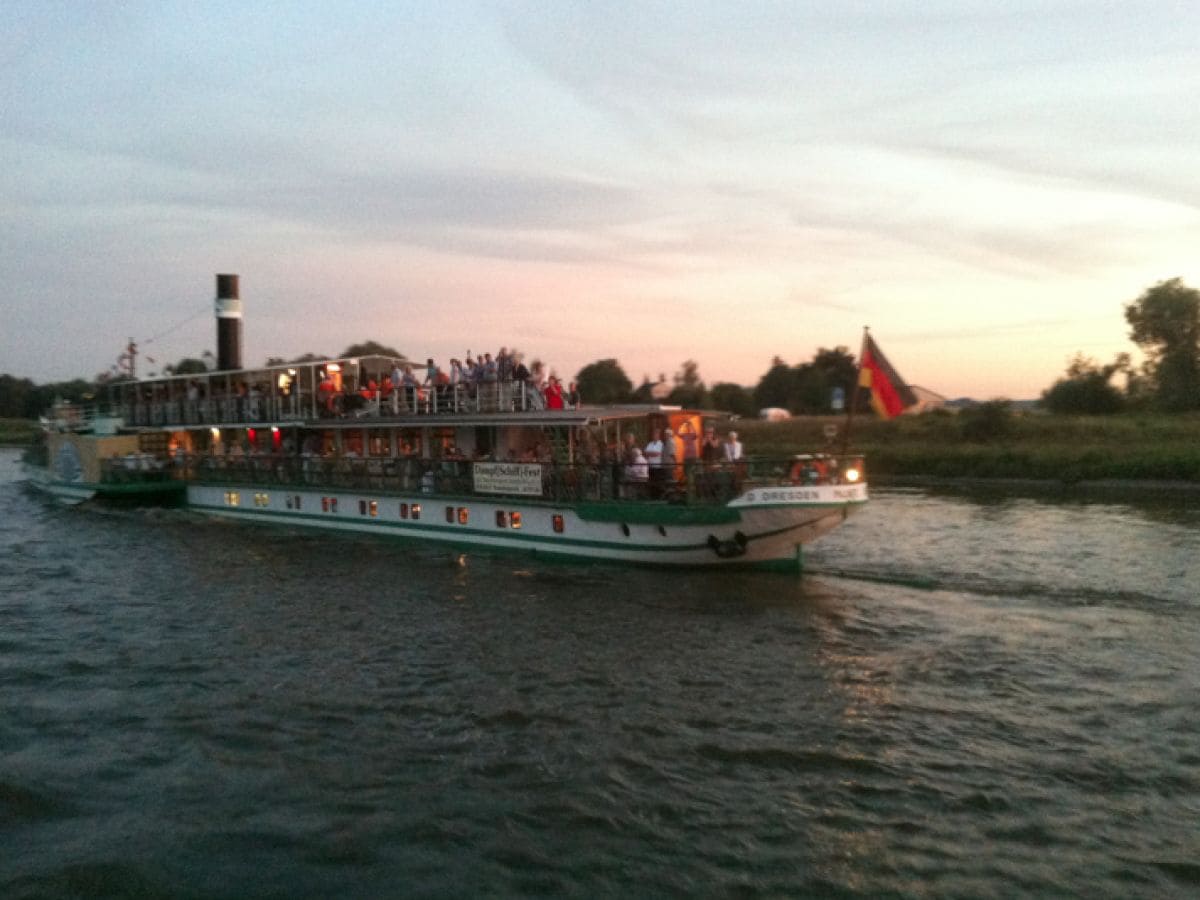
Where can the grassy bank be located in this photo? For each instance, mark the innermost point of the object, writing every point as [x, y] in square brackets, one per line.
[1018, 445]
[17, 432]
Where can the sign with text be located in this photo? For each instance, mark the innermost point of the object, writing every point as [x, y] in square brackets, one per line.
[524, 479]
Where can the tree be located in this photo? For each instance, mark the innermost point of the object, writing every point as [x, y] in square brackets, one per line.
[1086, 388]
[1165, 323]
[303, 358]
[603, 381]
[370, 348]
[732, 398]
[776, 387]
[808, 387]
[189, 365]
[645, 391]
[689, 388]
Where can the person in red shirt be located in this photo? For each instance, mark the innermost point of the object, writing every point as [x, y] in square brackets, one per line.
[554, 393]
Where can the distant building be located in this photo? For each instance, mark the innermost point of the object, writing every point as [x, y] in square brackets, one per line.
[927, 400]
[774, 414]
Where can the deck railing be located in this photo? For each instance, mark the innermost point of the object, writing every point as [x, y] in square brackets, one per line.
[693, 482]
[305, 405]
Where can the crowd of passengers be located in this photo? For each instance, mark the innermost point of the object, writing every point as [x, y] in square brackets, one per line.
[471, 384]
[500, 383]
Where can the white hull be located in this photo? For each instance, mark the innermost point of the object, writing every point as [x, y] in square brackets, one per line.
[754, 530]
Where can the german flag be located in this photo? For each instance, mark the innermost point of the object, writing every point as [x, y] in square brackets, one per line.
[890, 396]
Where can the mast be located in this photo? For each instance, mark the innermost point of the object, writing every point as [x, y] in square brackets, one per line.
[854, 392]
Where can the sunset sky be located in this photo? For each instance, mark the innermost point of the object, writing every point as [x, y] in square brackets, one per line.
[985, 184]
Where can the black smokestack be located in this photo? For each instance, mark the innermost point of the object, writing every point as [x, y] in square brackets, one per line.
[229, 323]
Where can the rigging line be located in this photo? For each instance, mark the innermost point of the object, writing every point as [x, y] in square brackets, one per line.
[178, 325]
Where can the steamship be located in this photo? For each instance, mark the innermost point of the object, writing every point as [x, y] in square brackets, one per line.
[332, 444]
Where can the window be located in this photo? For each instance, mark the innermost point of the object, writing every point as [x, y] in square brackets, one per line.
[515, 519]
[373, 508]
[416, 510]
[404, 510]
[501, 519]
[233, 498]
[558, 523]
[450, 514]
[463, 515]
[362, 507]
[262, 500]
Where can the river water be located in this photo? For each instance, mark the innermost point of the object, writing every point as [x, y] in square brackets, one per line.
[1003, 700]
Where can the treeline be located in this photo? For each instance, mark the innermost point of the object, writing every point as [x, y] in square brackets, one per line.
[20, 398]
[1165, 323]
[807, 388]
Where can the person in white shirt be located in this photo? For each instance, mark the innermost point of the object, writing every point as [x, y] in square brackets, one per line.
[733, 447]
[653, 452]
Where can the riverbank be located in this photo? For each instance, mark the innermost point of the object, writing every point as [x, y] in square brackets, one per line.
[17, 432]
[997, 446]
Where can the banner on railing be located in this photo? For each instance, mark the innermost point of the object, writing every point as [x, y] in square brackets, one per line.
[524, 479]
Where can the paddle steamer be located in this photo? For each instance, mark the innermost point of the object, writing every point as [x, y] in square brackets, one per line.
[331, 444]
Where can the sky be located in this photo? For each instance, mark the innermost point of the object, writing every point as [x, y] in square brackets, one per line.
[984, 184]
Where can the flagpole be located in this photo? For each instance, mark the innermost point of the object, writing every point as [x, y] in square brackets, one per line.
[854, 392]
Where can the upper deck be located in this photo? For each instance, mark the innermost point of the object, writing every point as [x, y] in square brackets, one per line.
[332, 393]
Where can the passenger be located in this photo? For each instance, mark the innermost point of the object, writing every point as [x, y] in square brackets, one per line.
[520, 373]
[536, 383]
[397, 386]
[653, 452]
[669, 457]
[554, 393]
[573, 399]
[733, 447]
[412, 388]
[328, 391]
[637, 473]
[690, 440]
[711, 450]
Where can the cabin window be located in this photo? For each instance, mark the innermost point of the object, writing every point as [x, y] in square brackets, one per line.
[233, 498]
[515, 519]
[463, 515]
[501, 519]
[450, 514]
[262, 500]
[416, 510]
[362, 507]
[297, 501]
[373, 508]
[404, 510]
[558, 523]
